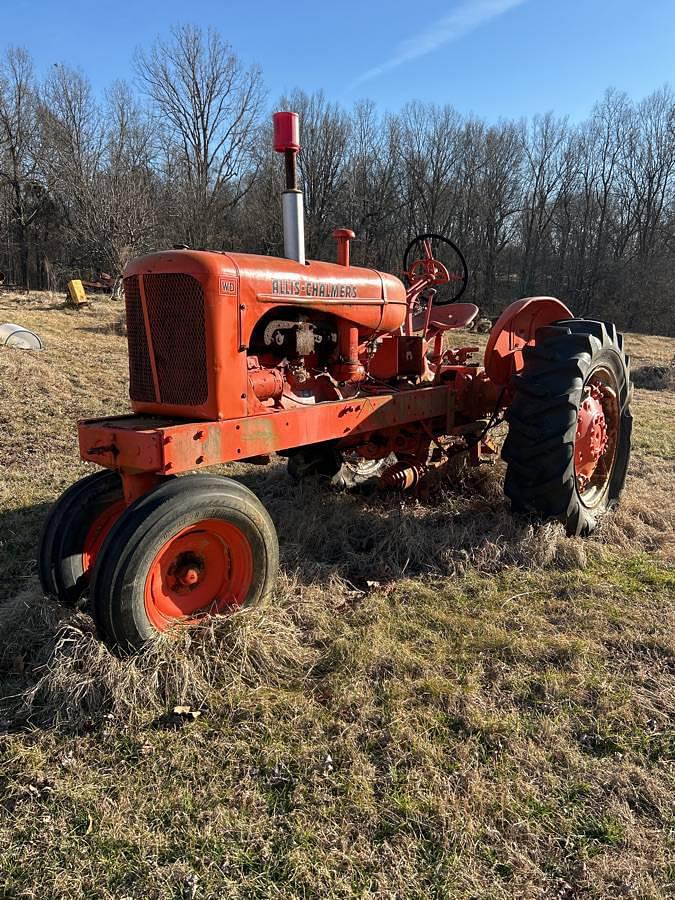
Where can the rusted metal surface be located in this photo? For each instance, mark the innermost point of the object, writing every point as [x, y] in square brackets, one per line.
[235, 356]
[437, 321]
[591, 435]
[595, 440]
[137, 445]
[402, 476]
[514, 330]
[239, 290]
[104, 284]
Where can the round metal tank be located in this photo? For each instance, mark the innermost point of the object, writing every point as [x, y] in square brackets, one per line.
[19, 338]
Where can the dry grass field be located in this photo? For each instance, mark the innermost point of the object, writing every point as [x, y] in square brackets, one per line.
[441, 702]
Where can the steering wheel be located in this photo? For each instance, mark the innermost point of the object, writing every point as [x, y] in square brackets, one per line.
[441, 259]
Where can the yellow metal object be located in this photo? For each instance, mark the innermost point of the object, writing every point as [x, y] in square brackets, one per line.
[76, 291]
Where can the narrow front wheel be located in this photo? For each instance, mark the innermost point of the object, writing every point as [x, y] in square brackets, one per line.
[201, 545]
[74, 533]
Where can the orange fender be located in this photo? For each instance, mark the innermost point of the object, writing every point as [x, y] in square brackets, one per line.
[516, 329]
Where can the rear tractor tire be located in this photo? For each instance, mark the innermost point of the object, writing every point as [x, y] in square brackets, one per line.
[321, 460]
[356, 472]
[74, 533]
[568, 445]
[196, 546]
[343, 471]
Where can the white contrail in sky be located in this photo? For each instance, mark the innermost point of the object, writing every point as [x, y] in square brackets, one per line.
[466, 17]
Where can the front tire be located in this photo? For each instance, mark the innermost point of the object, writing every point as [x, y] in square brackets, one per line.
[200, 545]
[74, 533]
[568, 446]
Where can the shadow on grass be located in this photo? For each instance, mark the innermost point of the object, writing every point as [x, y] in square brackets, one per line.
[33, 306]
[369, 535]
[118, 328]
[377, 535]
[19, 538]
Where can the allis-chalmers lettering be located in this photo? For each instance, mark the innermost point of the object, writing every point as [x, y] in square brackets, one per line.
[294, 288]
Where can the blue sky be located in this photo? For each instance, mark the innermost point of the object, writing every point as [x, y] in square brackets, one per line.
[494, 58]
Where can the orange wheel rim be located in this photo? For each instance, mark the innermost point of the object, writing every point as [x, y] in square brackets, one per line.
[98, 532]
[207, 568]
[596, 441]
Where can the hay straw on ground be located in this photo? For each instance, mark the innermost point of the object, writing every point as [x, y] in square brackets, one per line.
[74, 679]
[655, 378]
[332, 547]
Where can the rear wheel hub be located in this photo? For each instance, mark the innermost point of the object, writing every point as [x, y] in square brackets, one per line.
[596, 436]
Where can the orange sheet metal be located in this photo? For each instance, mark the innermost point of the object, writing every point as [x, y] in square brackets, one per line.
[238, 290]
[139, 444]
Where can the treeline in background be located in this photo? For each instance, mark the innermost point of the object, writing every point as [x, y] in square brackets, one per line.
[582, 211]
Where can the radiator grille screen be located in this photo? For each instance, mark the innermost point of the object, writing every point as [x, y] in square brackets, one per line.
[141, 386]
[175, 308]
[175, 305]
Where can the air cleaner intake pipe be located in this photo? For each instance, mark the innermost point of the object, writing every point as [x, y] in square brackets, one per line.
[287, 141]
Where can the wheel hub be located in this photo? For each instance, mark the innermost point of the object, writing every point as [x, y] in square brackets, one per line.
[592, 434]
[205, 568]
[186, 572]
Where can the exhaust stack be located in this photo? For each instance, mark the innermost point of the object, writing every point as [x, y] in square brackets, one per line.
[287, 141]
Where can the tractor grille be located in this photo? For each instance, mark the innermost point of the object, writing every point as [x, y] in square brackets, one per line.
[175, 309]
[141, 386]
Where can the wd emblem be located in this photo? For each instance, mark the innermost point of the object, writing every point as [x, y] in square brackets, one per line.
[228, 286]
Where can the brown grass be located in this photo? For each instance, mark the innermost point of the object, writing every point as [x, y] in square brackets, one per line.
[441, 701]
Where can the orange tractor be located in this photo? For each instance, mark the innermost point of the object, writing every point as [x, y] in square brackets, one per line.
[346, 371]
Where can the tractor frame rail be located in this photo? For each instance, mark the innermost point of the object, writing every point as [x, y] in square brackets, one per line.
[138, 445]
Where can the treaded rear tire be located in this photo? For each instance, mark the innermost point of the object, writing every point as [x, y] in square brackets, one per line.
[360, 473]
[335, 468]
[118, 588]
[540, 445]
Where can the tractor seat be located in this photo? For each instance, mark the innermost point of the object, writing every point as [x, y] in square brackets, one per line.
[443, 318]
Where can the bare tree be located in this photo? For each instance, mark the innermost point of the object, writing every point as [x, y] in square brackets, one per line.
[648, 190]
[18, 173]
[208, 104]
[97, 163]
[256, 222]
[498, 202]
[325, 132]
[429, 155]
[547, 168]
[583, 210]
[370, 202]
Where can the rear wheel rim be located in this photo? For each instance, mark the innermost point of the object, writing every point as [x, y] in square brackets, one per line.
[204, 569]
[597, 436]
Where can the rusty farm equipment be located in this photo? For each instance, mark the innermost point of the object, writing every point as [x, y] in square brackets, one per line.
[236, 357]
